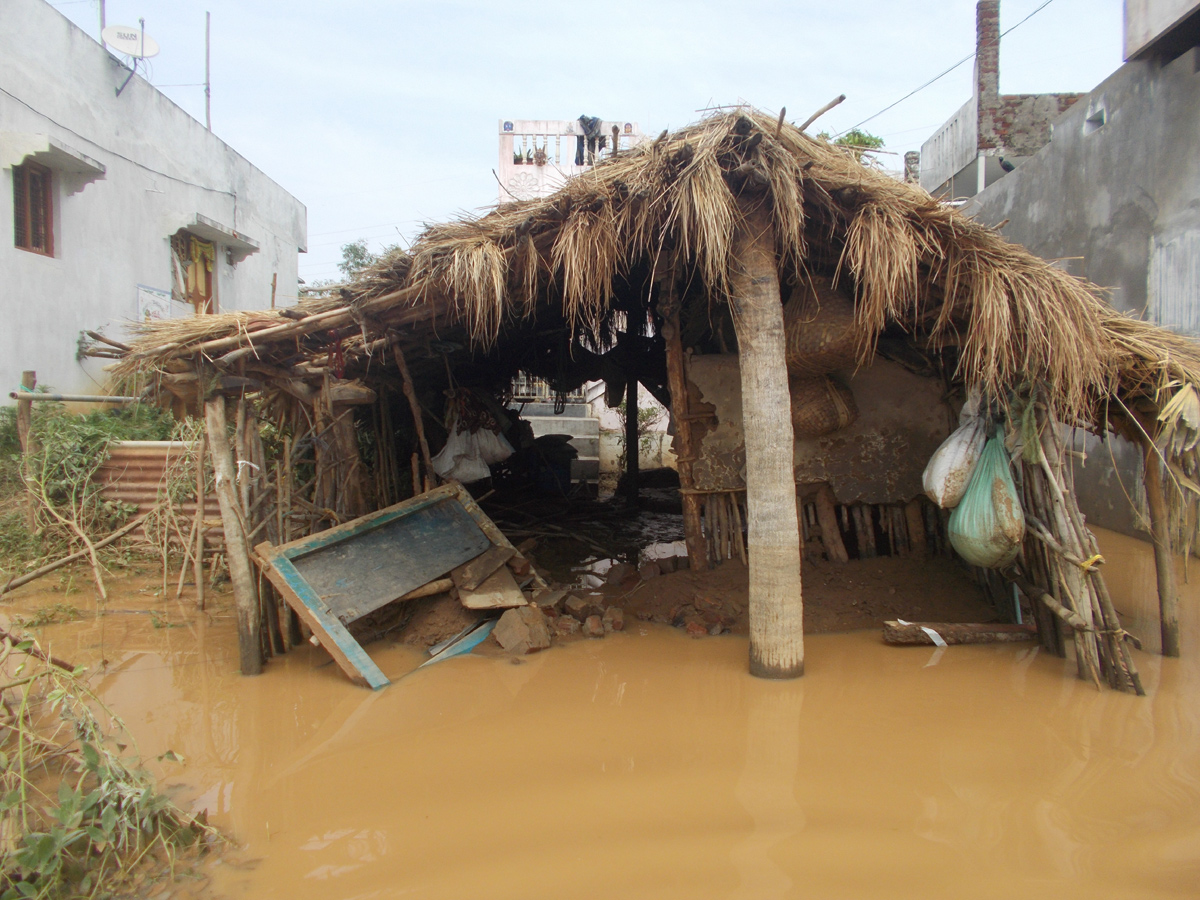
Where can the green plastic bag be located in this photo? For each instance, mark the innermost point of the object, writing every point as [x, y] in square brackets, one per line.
[988, 525]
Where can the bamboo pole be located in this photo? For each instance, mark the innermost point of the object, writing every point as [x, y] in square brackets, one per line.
[776, 605]
[1164, 560]
[414, 405]
[237, 553]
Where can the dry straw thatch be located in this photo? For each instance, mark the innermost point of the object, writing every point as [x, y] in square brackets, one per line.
[910, 261]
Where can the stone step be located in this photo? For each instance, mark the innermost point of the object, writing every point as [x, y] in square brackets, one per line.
[576, 427]
[572, 411]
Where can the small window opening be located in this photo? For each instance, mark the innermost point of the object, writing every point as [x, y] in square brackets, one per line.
[33, 207]
[192, 271]
[1096, 120]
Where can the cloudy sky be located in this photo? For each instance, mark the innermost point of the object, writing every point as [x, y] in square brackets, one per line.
[380, 116]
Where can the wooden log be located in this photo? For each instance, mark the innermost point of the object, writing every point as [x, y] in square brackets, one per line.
[956, 633]
[683, 443]
[237, 553]
[1164, 560]
[776, 606]
[831, 535]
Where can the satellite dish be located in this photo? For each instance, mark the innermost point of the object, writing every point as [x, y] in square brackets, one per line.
[130, 40]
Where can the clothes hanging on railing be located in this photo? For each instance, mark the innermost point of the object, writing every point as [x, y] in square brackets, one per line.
[591, 137]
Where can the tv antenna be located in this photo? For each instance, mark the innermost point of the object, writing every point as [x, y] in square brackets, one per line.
[131, 42]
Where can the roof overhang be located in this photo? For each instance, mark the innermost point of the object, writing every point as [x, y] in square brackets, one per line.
[17, 148]
[211, 230]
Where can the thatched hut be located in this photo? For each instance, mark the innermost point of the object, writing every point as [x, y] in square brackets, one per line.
[725, 247]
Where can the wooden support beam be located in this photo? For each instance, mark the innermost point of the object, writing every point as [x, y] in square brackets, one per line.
[776, 607]
[632, 444]
[1164, 560]
[683, 443]
[237, 551]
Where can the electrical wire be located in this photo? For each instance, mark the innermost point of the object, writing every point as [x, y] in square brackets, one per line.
[134, 162]
[941, 75]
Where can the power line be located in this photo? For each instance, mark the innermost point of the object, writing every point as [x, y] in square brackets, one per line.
[941, 75]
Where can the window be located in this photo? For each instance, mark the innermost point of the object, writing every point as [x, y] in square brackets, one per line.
[33, 208]
[192, 271]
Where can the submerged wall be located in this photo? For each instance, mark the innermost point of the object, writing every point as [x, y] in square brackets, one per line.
[878, 458]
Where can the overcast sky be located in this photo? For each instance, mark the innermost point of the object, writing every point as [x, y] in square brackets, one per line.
[380, 116]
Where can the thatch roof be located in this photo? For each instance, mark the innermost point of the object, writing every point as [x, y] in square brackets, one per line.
[914, 265]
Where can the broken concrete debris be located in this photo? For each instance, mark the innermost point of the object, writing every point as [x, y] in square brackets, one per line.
[565, 626]
[522, 631]
[613, 619]
[593, 626]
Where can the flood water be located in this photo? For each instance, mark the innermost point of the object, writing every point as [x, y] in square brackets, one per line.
[648, 764]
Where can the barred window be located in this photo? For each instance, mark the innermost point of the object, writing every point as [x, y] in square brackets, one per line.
[33, 208]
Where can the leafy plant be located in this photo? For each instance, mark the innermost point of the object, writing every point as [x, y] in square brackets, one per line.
[76, 815]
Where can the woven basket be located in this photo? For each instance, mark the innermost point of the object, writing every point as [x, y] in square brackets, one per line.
[820, 406]
[818, 326]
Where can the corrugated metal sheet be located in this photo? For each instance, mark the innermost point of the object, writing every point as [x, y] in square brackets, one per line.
[137, 472]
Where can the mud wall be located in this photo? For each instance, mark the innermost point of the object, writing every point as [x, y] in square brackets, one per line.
[878, 458]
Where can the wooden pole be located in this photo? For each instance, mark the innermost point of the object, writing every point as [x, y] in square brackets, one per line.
[776, 607]
[683, 443]
[24, 424]
[237, 552]
[410, 392]
[1164, 561]
[631, 441]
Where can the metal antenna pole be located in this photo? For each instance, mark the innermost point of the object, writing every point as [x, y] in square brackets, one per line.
[207, 72]
[102, 44]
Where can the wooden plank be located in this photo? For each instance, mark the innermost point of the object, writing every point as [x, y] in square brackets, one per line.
[370, 569]
[488, 526]
[331, 634]
[498, 591]
[956, 633]
[471, 574]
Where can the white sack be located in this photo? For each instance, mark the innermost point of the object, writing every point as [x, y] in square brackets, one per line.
[466, 456]
[949, 470]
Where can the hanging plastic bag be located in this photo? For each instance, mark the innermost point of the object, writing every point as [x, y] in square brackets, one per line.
[493, 448]
[988, 525]
[949, 470]
[461, 459]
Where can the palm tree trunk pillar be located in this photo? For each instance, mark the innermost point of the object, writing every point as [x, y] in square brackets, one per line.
[776, 607]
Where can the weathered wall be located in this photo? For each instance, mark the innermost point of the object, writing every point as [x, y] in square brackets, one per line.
[145, 169]
[1147, 20]
[1115, 196]
[878, 458]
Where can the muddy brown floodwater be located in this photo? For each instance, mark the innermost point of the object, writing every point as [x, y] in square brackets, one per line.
[648, 764]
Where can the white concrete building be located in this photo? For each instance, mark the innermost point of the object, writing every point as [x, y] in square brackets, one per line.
[537, 156]
[114, 208]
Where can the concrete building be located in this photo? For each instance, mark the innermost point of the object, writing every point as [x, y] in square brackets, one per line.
[117, 207]
[1115, 197]
[537, 156]
[992, 132]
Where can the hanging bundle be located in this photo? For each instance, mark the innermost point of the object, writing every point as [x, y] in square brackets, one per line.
[988, 525]
[949, 470]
